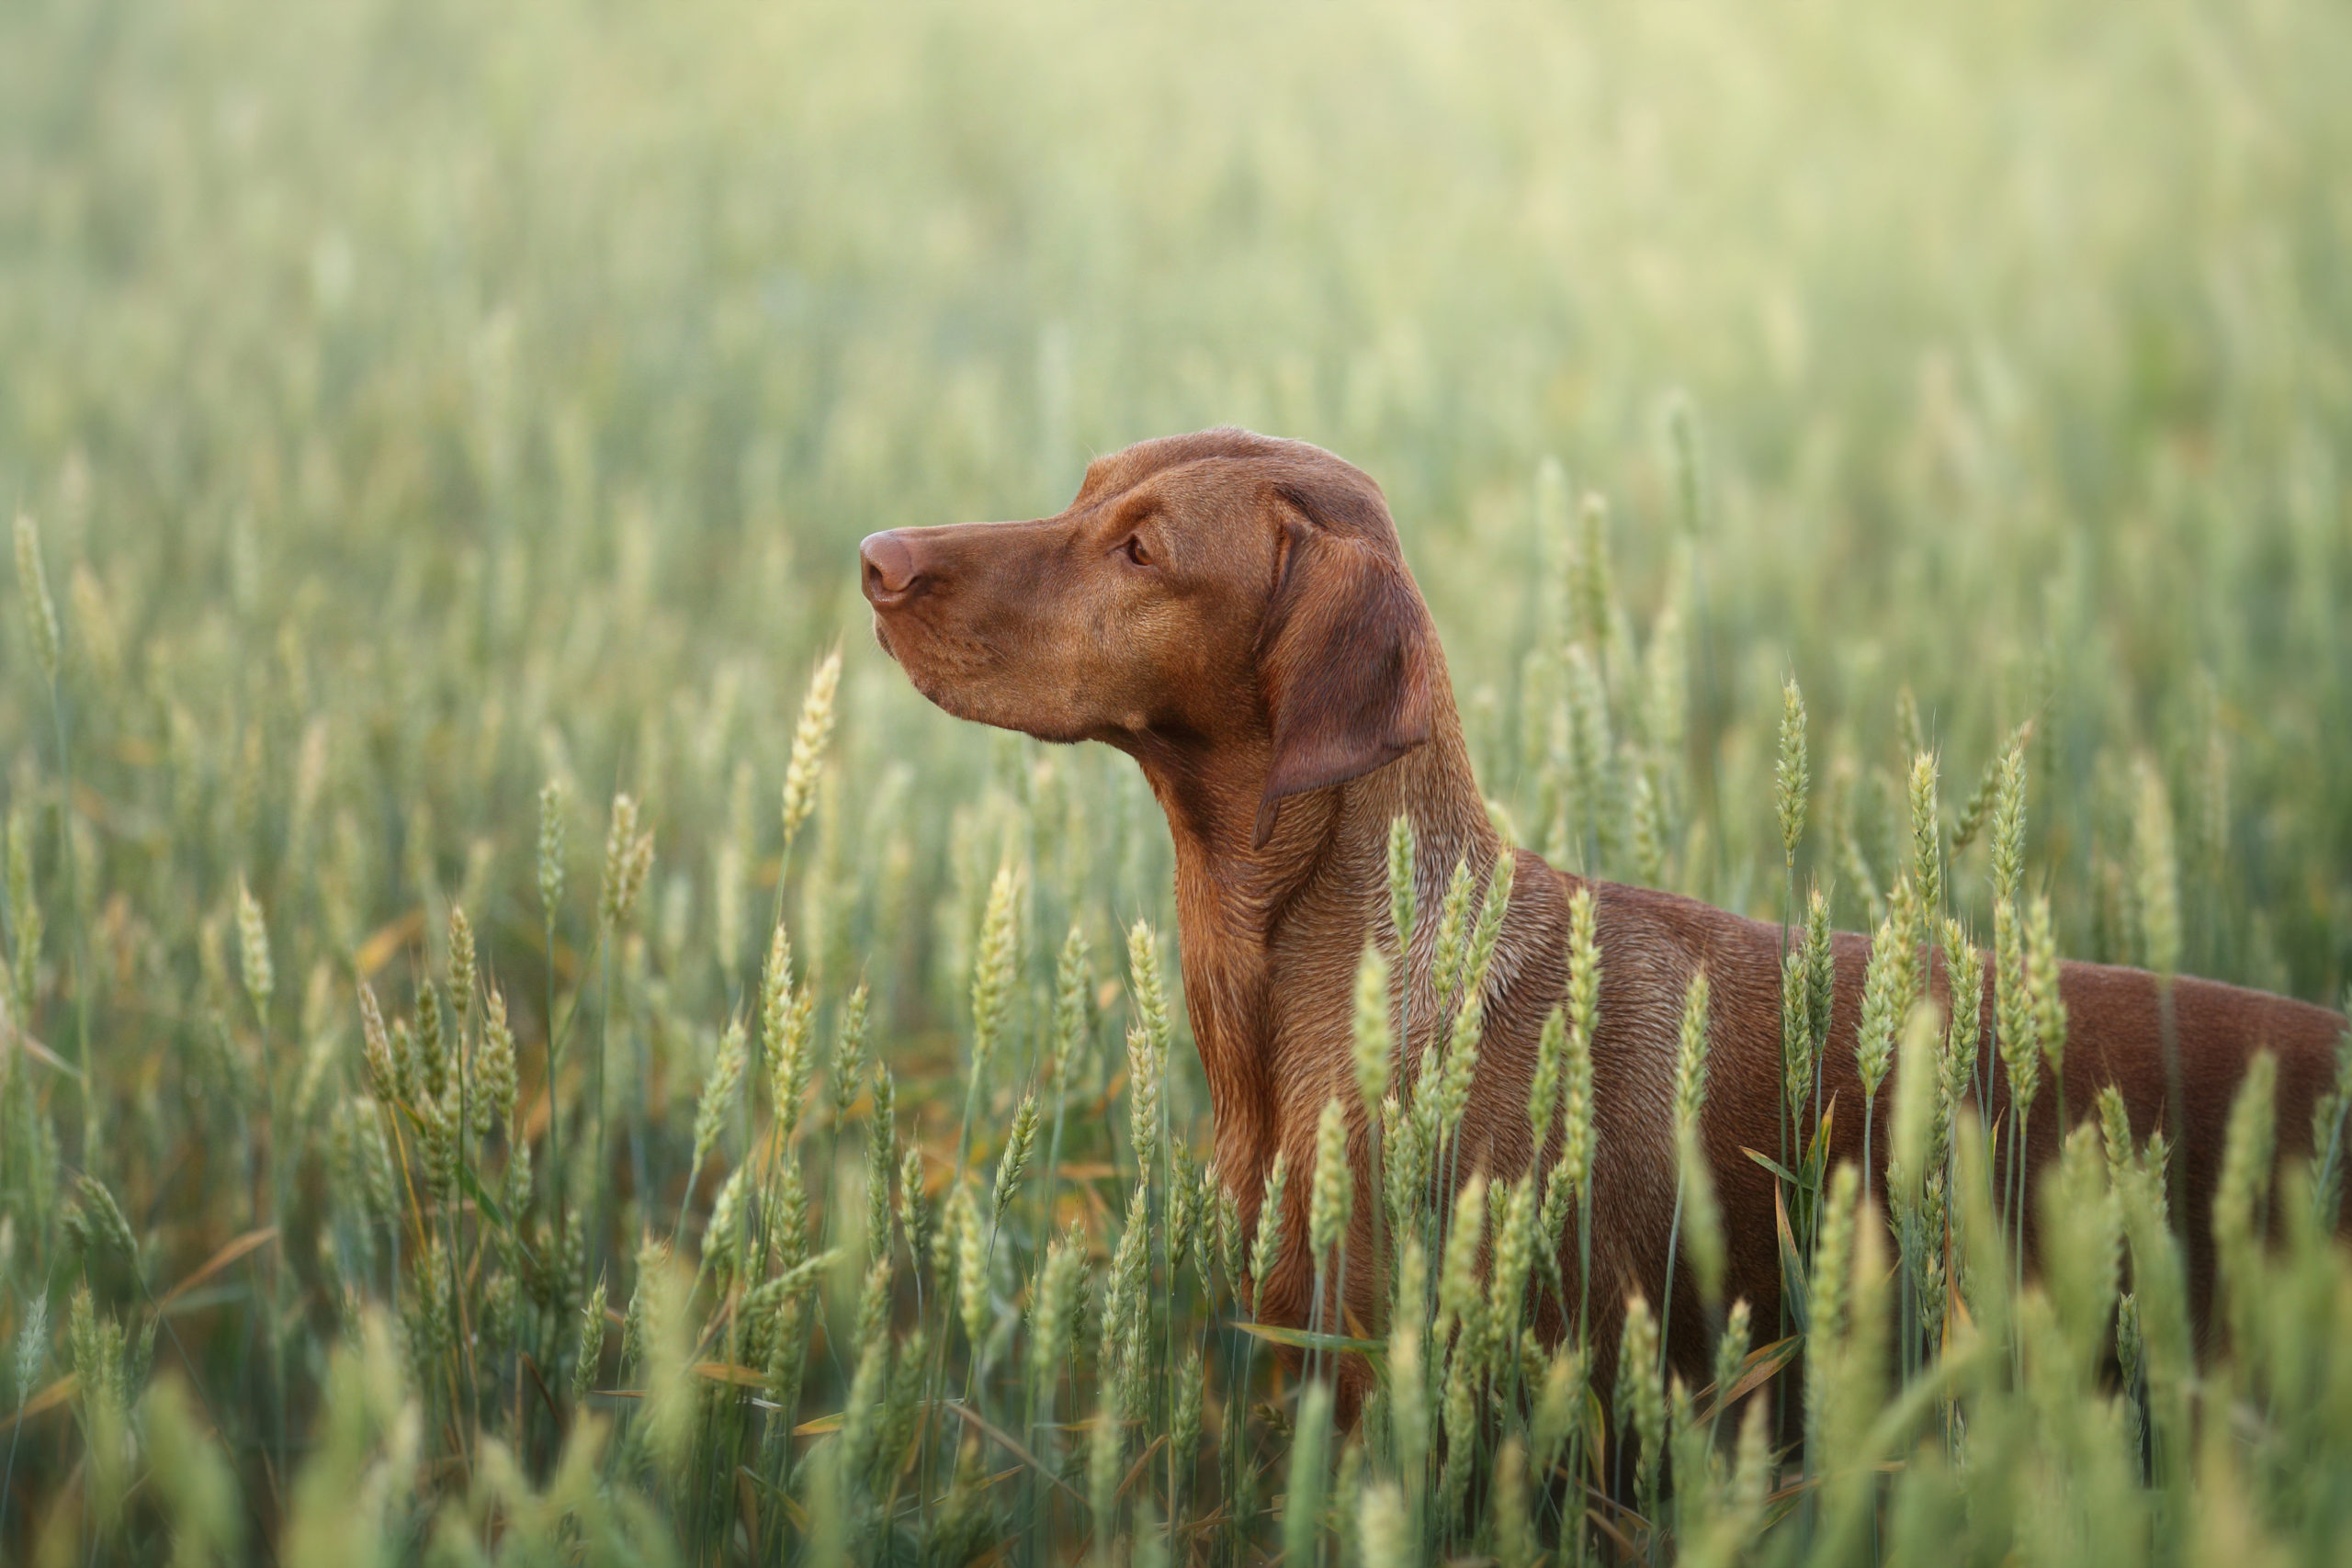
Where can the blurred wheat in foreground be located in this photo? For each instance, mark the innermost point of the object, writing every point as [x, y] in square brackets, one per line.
[522, 1040]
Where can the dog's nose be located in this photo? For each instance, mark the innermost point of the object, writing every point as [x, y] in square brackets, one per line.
[890, 574]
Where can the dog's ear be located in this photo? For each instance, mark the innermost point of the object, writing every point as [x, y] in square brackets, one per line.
[1346, 660]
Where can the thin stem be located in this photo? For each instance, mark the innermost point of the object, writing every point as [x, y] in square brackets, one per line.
[640, 1187]
[1053, 1159]
[936, 1377]
[457, 1217]
[1170, 1374]
[1815, 1165]
[686, 1201]
[1237, 1428]
[1373, 1139]
[2017, 1161]
[2176, 1116]
[1673, 1244]
[1584, 1260]
[277, 1218]
[9, 1472]
[2017, 1187]
[1870, 1104]
[555, 1096]
[1785, 1121]
[1340, 1293]
[1572, 1518]
[460, 1380]
[1168, 1261]
[604, 1035]
[88, 1083]
[1314, 1319]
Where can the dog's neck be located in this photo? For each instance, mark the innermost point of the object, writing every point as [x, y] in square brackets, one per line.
[1271, 933]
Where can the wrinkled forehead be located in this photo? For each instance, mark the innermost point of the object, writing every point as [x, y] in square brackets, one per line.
[1215, 478]
[1117, 472]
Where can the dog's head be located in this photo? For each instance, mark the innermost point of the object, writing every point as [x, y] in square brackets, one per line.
[1221, 599]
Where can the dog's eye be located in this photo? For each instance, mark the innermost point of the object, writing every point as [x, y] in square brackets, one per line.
[1136, 552]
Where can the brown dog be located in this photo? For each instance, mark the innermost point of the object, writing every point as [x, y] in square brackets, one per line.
[1234, 612]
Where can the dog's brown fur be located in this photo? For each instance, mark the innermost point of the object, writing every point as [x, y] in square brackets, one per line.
[1234, 612]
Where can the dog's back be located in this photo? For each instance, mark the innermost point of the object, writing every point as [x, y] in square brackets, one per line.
[2119, 1023]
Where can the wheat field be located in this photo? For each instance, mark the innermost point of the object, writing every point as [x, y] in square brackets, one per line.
[525, 1041]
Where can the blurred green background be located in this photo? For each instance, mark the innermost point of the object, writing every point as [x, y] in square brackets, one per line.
[509, 385]
[420, 402]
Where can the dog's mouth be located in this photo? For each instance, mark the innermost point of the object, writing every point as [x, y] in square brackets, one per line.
[882, 637]
[932, 665]
[963, 677]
